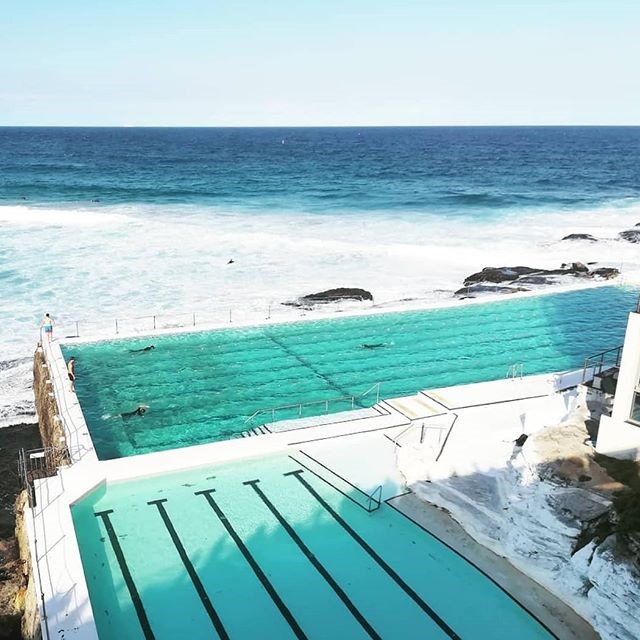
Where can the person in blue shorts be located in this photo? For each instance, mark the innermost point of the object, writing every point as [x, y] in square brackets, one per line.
[47, 326]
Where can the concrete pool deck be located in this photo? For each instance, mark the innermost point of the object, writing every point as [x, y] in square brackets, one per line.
[360, 448]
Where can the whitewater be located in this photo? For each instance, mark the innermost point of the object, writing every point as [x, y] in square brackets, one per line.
[93, 263]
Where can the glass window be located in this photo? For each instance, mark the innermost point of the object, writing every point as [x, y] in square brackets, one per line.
[635, 407]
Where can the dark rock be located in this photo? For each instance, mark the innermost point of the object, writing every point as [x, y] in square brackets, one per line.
[632, 235]
[331, 295]
[535, 280]
[474, 289]
[606, 273]
[499, 274]
[521, 439]
[580, 236]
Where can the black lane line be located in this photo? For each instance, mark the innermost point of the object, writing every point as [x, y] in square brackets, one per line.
[284, 610]
[346, 495]
[475, 566]
[313, 368]
[314, 561]
[389, 570]
[126, 574]
[197, 583]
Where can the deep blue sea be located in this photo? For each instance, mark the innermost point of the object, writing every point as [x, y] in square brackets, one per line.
[100, 223]
[452, 170]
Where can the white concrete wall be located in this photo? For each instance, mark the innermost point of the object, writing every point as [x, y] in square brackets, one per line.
[617, 437]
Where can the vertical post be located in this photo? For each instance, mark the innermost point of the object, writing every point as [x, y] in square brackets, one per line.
[116, 325]
[154, 322]
[269, 313]
[194, 319]
[230, 316]
[77, 330]
[422, 433]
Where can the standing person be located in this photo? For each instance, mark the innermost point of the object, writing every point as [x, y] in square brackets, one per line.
[47, 325]
[71, 370]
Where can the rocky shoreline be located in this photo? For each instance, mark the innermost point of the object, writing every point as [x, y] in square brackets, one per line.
[13, 574]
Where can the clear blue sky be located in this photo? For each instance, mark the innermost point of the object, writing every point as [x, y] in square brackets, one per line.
[319, 62]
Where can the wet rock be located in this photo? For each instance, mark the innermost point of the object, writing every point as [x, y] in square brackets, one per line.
[331, 295]
[535, 280]
[499, 274]
[473, 290]
[580, 236]
[632, 235]
[605, 273]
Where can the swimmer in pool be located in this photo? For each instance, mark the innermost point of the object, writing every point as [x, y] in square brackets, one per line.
[140, 410]
[151, 347]
[377, 345]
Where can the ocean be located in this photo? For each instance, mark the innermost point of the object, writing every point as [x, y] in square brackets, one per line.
[99, 223]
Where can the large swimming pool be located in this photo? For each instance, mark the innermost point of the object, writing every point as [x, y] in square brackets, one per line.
[267, 549]
[202, 387]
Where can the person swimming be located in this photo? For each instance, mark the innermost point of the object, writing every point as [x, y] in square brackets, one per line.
[140, 410]
[151, 347]
[377, 345]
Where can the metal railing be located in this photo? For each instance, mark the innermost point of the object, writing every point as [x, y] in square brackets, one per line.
[373, 498]
[604, 360]
[297, 409]
[516, 371]
[424, 428]
[36, 464]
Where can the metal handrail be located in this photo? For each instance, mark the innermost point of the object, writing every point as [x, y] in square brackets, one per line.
[374, 496]
[424, 427]
[377, 500]
[515, 370]
[299, 405]
[597, 361]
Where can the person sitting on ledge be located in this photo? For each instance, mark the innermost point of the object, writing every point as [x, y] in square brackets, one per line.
[148, 348]
[71, 370]
[140, 410]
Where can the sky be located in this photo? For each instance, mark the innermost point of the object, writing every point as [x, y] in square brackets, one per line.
[320, 62]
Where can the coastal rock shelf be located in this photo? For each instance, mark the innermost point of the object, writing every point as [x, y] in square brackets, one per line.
[511, 279]
[340, 294]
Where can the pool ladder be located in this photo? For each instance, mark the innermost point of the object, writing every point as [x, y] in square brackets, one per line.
[516, 371]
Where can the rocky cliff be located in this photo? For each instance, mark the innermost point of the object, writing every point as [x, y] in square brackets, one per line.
[537, 507]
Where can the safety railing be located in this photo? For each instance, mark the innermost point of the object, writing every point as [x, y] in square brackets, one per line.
[332, 478]
[444, 432]
[597, 363]
[36, 464]
[297, 410]
[516, 371]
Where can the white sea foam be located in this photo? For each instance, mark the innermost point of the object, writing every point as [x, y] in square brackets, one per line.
[96, 264]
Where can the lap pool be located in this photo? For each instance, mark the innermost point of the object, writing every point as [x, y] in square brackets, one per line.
[202, 386]
[268, 549]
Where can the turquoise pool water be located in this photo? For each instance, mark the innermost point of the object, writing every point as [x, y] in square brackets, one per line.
[203, 554]
[202, 387]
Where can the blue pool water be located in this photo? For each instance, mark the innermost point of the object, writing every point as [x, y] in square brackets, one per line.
[203, 554]
[202, 387]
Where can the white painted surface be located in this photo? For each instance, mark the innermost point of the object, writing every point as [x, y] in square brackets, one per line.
[617, 436]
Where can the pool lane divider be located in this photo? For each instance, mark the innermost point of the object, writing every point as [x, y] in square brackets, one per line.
[197, 583]
[282, 607]
[374, 555]
[126, 574]
[314, 561]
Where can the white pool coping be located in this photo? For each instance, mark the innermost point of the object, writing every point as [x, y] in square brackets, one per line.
[50, 526]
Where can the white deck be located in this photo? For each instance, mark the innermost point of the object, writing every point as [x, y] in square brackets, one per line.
[356, 445]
